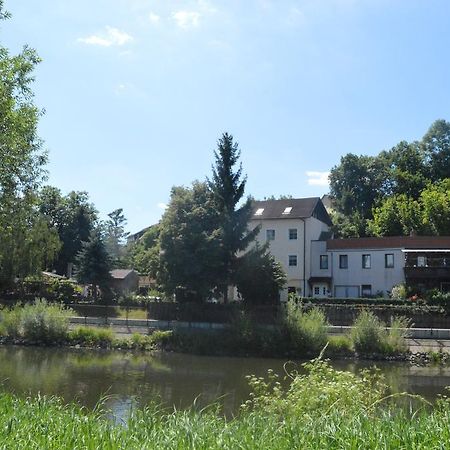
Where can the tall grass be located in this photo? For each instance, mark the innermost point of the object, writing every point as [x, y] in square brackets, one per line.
[322, 409]
[40, 321]
[307, 330]
[370, 335]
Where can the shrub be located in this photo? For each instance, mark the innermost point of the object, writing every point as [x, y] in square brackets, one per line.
[339, 345]
[40, 321]
[92, 336]
[399, 292]
[369, 334]
[307, 330]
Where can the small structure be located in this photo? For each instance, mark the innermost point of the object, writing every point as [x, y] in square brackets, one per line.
[125, 281]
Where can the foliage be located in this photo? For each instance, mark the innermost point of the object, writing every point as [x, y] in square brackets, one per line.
[91, 336]
[116, 236]
[143, 255]
[399, 292]
[259, 278]
[190, 243]
[397, 192]
[227, 186]
[73, 217]
[93, 263]
[307, 330]
[402, 215]
[369, 335]
[27, 244]
[40, 321]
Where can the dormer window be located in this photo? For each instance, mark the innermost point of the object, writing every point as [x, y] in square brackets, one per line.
[287, 210]
[259, 212]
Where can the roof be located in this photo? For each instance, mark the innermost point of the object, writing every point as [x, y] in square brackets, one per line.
[120, 274]
[301, 208]
[403, 242]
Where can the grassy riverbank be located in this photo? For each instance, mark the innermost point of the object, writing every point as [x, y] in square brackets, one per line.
[298, 334]
[323, 408]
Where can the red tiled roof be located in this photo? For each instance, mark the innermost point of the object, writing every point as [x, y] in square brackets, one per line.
[407, 242]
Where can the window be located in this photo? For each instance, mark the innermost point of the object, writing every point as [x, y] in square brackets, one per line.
[366, 290]
[389, 260]
[316, 290]
[292, 260]
[343, 261]
[324, 291]
[421, 261]
[259, 212]
[270, 235]
[292, 290]
[292, 234]
[287, 210]
[366, 261]
[324, 261]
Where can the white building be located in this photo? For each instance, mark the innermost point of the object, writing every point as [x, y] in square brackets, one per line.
[290, 226]
[363, 267]
[299, 237]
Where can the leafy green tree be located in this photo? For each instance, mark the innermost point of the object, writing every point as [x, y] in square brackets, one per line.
[397, 216]
[357, 182]
[408, 169]
[73, 216]
[259, 278]
[228, 186]
[22, 167]
[93, 264]
[190, 243]
[436, 145]
[143, 255]
[435, 201]
[116, 236]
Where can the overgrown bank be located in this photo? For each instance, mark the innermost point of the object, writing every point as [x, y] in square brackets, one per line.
[298, 333]
[323, 408]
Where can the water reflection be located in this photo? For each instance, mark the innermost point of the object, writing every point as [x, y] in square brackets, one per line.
[127, 380]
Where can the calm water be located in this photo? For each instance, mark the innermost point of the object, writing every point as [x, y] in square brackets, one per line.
[129, 380]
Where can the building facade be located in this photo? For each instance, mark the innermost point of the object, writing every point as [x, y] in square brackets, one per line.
[289, 226]
[316, 265]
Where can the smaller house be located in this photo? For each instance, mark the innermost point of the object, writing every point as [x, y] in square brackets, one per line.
[125, 281]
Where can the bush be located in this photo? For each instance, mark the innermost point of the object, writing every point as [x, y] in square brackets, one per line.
[40, 321]
[399, 292]
[307, 330]
[103, 337]
[369, 335]
[339, 345]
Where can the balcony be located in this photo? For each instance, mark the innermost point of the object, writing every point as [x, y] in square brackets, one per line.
[427, 267]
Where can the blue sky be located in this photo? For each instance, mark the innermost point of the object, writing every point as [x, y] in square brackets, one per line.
[137, 92]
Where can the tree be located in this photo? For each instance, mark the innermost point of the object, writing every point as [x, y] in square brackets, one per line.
[143, 255]
[190, 243]
[22, 166]
[357, 182]
[116, 235]
[93, 263]
[397, 216]
[73, 216]
[227, 187]
[436, 145]
[435, 201]
[259, 278]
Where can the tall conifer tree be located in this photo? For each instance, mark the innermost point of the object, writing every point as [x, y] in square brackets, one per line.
[228, 186]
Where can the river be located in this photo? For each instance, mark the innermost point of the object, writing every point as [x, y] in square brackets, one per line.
[126, 380]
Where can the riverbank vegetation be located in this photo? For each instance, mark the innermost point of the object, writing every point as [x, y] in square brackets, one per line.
[321, 408]
[298, 333]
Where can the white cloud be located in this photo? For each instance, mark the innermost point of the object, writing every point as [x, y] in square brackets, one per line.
[162, 206]
[154, 18]
[187, 19]
[317, 178]
[110, 37]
